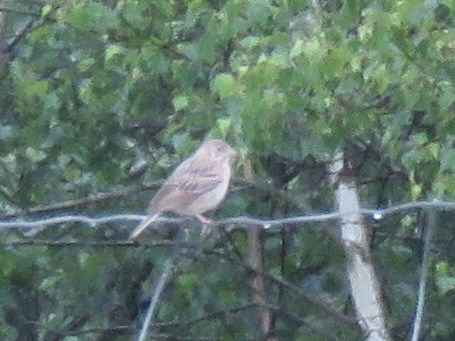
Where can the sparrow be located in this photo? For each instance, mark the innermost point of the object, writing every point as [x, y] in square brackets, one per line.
[196, 186]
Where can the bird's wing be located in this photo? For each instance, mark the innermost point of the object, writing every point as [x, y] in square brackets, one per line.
[190, 180]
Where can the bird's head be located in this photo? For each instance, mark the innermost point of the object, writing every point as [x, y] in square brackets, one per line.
[218, 150]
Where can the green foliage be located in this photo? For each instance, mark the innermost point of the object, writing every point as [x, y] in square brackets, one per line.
[91, 86]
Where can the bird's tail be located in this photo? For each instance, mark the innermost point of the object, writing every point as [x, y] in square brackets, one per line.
[141, 227]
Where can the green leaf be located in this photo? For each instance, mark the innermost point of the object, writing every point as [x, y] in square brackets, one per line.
[36, 88]
[46, 10]
[226, 85]
[113, 50]
[35, 155]
[445, 284]
[6, 132]
[447, 98]
[447, 159]
[180, 102]
[297, 49]
[79, 18]
[223, 125]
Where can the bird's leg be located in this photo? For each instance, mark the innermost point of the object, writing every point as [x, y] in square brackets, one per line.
[202, 219]
[206, 229]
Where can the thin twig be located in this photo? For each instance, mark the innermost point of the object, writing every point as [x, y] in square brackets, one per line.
[426, 264]
[168, 269]
[71, 204]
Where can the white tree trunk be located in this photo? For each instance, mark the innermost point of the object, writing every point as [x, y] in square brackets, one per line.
[365, 288]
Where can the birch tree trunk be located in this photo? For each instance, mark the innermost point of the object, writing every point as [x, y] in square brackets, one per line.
[365, 288]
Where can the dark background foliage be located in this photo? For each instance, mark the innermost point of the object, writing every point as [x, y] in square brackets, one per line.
[89, 89]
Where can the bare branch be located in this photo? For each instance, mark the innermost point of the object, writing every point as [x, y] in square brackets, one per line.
[11, 10]
[128, 191]
[426, 264]
[71, 204]
[89, 243]
[156, 293]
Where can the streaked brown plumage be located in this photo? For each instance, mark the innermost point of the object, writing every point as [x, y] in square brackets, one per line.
[196, 186]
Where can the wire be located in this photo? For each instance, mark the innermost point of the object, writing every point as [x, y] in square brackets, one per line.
[376, 214]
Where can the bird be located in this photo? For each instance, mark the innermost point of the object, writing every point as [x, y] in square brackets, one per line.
[196, 186]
